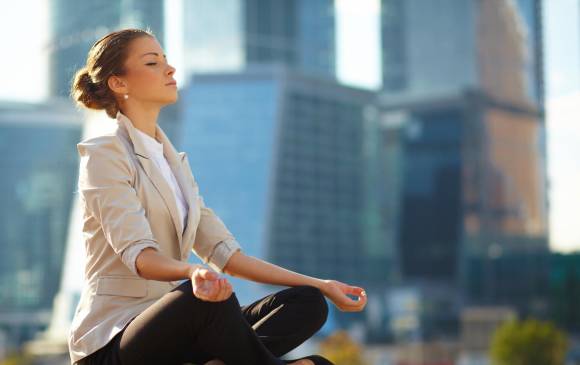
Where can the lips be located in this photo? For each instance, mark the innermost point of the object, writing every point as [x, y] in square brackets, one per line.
[171, 83]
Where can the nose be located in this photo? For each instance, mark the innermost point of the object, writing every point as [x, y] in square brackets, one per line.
[170, 70]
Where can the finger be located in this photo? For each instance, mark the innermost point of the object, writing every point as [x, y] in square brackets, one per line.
[346, 301]
[357, 306]
[356, 295]
[208, 275]
[222, 287]
[227, 287]
[350, 308]
[202, 282]
[219, 289]
[216, 288]
[349, 302]
[206, 288]
[198, 280]
[200, 293]
[354, 290]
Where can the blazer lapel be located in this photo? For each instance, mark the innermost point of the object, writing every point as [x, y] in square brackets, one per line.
[153, 172]
[186, 181]
[177, 162]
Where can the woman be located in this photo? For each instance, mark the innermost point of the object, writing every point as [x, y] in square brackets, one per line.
[143, 215]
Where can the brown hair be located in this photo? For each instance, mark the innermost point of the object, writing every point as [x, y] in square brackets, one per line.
[106, 58]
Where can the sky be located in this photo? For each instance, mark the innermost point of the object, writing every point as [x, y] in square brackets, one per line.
[24, 75]
[562, 73]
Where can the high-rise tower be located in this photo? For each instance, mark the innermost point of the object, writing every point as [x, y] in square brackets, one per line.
[230, 35]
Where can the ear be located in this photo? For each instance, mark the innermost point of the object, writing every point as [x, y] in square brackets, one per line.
[117, 85]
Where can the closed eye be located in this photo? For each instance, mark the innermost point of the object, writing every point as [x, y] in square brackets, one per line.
[151, 63]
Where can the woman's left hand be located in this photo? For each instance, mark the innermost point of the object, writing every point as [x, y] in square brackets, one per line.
[337, 293]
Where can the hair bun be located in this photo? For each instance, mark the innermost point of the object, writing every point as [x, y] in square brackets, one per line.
[85, 92]
[87, 81]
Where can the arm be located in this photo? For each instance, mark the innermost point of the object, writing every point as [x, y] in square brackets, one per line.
[214, 243]
[254, 269]
[251, 268]
[206, 284]
[152, 265]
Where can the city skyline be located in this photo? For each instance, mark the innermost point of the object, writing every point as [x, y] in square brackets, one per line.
[422, 149]
[562, 73]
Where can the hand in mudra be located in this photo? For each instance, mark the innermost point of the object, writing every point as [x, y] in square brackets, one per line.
[208, 286]
[337, 293]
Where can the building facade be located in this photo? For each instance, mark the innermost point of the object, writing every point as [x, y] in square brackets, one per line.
[462, 108]
[280, 157]
[299, 34]
[431, 48]
[39, 168]
[472, 201]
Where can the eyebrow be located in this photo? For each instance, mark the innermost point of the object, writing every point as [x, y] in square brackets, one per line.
[155, 53]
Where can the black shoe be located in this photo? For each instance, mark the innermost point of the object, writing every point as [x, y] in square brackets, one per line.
[316, 359]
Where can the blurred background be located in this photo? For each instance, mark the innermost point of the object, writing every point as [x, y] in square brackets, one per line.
[427, 150]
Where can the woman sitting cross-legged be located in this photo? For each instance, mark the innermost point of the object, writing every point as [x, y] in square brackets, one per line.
[143, 303]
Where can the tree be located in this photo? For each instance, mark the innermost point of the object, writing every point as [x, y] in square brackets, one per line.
[16, 358]
[341, 349]
[529, 342]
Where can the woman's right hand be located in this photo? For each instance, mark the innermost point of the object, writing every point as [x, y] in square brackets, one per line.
[208, 286]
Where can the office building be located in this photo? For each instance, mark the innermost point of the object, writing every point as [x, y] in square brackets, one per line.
[472, 206]
[443, 47]
[280, 157]
[39, 167]
[230, 35]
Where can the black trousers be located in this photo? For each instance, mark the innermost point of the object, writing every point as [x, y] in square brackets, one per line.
[180, 328]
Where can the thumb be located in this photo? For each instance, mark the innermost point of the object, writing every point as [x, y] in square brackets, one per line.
[207, 274]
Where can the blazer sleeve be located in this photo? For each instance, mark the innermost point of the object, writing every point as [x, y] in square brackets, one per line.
[214, 243]
[106, 184]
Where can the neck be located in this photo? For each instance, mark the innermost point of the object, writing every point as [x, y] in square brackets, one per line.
[144, 119]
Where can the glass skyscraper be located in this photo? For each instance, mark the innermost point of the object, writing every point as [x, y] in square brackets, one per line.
[318, 207]
[281, 147]
[431, 47]
[230, 35]
[38, 162]
[462, 108]
[280, 157]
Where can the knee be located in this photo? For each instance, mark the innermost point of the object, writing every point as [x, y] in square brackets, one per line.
[186, 302]
[227, 308]
[315, 302]
[225, 313]
[230, 302]
[184, 292]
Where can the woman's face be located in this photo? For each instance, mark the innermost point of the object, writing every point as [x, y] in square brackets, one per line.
[149, 78]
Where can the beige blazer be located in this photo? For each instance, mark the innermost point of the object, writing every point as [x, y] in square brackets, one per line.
[127, 205]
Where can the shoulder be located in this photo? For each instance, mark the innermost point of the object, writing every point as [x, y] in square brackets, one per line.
[113, 143]
[105, 151]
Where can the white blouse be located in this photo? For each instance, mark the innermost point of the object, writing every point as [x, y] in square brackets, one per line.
[155, 149]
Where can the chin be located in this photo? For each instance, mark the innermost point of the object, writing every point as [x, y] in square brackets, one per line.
[170, 100]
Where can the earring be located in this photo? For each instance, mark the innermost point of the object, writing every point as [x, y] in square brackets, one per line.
[126, 96]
